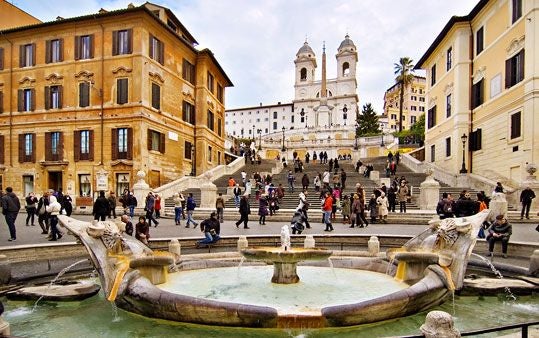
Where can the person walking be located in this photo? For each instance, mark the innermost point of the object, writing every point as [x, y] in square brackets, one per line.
[31, 204]
[373, 208]
[183, 201]
[42, 214]
[317, 182]
[190, 205]
[149, 207]
[112, 204]
[220, 207]
[526, 197]
[100, 209]
[157, 206]
[303, 207]
[357, 208]
[290, 178]
[343, 179]
[54, 209]
[68, 204]
[237, 195]
[177, 208]
[326, 209]
[305, 181]
[383, 206]
[392, 197]
[132, 204]
[10, 208]
[402, 196]
[245, 210]
[500, 230]
[262, 209]
[345, 209]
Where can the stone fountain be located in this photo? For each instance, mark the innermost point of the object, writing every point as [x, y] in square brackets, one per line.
[140, 280]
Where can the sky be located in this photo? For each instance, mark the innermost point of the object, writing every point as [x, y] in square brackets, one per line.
[256, 41]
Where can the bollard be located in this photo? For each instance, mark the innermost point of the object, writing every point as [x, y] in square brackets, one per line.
[309, 242]
[242, 243]
[175, 248]
[374, 246]
[439, 324]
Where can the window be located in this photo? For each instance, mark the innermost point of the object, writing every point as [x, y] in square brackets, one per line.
[431, 117]
[85, 185]
[209, 153]
[448, 147]
[121, 91]
[2, 156]
[433, 75]
[122, 183]
[291, 118]
[475, 140]
[393, 116]
[514, 69]
[27, 148]
[220, 93]
[188, 151]
[413, 119]
[479, 41]
[210, 83]
[421, 108]
[53, 146]
[477, 94]
[122, 42]
[188, 71]
[84, 47]
[27, 55]
[1, 102]
[274, 114]
[421, 99]
[274, 125]
[83, 141]
[303, 74]
[432, 153]
[27, 101]
[345, 69]
[156, 141]
[516, 125]
[156, 96]
[448, 105]
[219, 127]
[122, 143]
[516, 10]
[53, 97]
[54, 51]
[1, 58]
[413, 108]
[157, 50]
[188, 112]
[449, 58]
[84, 94]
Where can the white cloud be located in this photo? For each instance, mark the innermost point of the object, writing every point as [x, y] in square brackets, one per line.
[256, 41]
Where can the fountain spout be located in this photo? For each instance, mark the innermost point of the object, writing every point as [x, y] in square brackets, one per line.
[285, 237]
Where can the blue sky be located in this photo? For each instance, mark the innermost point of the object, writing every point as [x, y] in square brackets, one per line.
[256, 41]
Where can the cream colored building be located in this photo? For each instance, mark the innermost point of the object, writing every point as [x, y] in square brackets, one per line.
[87, 102]
[413, 104]
[483, 82]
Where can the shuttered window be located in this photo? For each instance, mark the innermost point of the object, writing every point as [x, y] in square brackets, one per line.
[1, 58]
[210, 82]
[26, 100]
[156, 96]
[121, 91]
[122, 143]
[188, 150]
[220, 93]
[156, 141]
[84, 94]
[448, 147]
[2, 156]
[479, 35]
[433, 75]
[474, 142]
[514, 70]
[83, 141]
[478, 94]
[54, 51]
[157, 50]
[431, 117]
[27, 55]
[219, 127]
[448, 106]
[516, 10]
[53, 146]
[122, 42]
[516, 125]
[1, 102]
[84, 47]
[188, 71]
[27, 148]
[210, 119]
[53, 97]
[188, 112]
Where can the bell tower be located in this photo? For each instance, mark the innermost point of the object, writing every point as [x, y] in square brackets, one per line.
[305, 65]
[346, 59]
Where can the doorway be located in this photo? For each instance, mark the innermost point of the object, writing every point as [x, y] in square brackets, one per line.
[55, 180]
[28, 184]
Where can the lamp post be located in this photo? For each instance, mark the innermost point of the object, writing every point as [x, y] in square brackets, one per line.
[303, 117]
[259, 131]
[463, 138]
[382, 144]
[355, 136]
[344, 115]
[193, 169]
[283, 148]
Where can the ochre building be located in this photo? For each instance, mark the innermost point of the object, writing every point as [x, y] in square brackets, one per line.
[413, 104]
[87, 102]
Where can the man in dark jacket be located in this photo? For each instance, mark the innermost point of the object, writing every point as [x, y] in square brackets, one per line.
[526, 198]
[101, 207]
[244, 210]
[10, 208]
[500, 230]
[211, 229]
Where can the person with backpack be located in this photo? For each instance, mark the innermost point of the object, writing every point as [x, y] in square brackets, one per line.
[445, 207]
[190, 205]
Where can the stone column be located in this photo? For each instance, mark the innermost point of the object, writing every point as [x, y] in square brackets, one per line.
[208, 192]
[141, 190]
[430, 191]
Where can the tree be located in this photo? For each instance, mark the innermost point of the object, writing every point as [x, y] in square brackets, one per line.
[416, 134]
[367, 122]
[403, 70]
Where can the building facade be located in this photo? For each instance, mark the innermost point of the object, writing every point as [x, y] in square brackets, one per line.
[483, 91]
[87, 102]
[252, 122]
[413, 104]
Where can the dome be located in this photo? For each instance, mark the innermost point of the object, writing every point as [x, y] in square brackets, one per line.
[346, 43]
[305, 49]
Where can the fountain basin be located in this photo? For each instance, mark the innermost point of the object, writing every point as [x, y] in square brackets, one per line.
[71, 291]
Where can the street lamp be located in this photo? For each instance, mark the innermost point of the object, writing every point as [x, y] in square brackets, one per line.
[463, 138]
[259, 131]
[382, 144]
[283, 148]
[193, 168]
[355, 136]
[303, 117]
[344, 115]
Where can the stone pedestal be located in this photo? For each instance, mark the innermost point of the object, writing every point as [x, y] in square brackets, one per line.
[309, 242]
[375, 175]
[175, 248]
[141, 189]
[462, 181]
[242, 243]
[439, 324]
[534, 264]
[386, 181]
[374, 246]
[497, 206]
[430, 192]
[230, 191]
[208, 195]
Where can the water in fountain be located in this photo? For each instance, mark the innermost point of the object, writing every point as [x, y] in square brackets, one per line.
[498, 275]
[331, 266]
[240, 264]
[58, 276]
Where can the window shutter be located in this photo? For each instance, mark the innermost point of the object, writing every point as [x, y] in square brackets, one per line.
[92, 46]
[84, 92]
[21, 148]
[2, 160]
[91, 146]
[77, 47]
[60, 96]
[32, 99]
[1, 102]
[21, 56]
[61, 55]
[162, 143]
[149, 140]
[161, 52]
[76, 145]
[150, 52]
[114, 144]
[20, 100]
[61, 147]
[47, 97]
[508, 73]
[115, 43]
[33, 156]
[48, 54]
[33, 54]
[130, 41]
[156, 96]
[48, 147]
[1, 58]
[129, 143]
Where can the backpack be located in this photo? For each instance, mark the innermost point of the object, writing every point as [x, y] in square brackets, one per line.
[448, 207]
